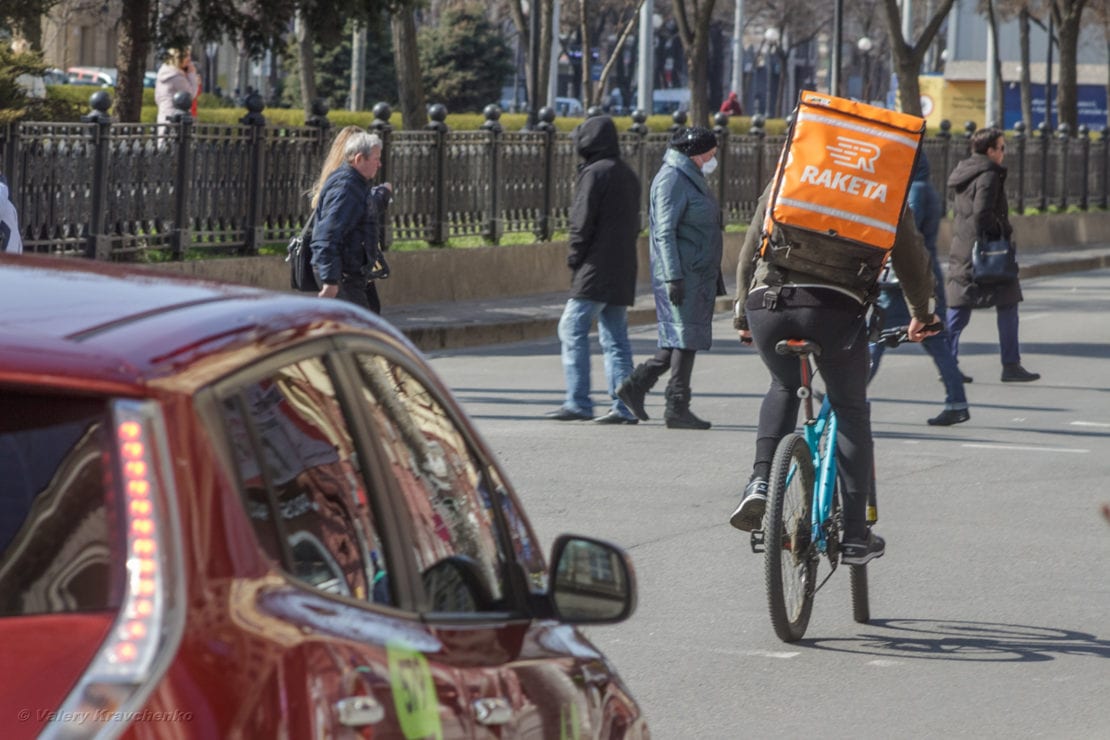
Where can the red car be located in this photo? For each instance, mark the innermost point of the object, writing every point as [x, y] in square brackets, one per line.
[228, 512]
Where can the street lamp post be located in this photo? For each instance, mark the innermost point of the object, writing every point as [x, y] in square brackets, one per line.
[771, 37]
[865, 45]
[533, 12]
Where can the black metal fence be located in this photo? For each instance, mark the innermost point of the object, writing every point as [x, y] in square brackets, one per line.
[145, 191]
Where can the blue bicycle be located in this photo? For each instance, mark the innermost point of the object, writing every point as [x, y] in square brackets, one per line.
[803, 521]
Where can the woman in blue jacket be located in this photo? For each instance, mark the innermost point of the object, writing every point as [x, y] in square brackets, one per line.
[685, 274]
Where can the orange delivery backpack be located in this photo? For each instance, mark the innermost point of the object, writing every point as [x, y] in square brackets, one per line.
[840, 189]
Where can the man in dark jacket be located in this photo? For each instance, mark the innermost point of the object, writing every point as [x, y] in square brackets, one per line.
[925, 203]
[604, 224]
[981, 212]
[345, 239]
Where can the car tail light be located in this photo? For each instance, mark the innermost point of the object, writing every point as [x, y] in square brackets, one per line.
[148, 627]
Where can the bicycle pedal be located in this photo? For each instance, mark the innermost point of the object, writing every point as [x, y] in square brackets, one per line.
[757, 541]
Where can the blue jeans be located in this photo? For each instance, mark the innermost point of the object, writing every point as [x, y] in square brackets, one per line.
[938, 346]
[574, 333]
[1007, 318]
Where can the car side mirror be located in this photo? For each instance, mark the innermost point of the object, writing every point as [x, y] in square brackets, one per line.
[592, 582]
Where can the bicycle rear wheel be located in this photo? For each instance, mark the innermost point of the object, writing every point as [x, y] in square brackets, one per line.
[790, 562]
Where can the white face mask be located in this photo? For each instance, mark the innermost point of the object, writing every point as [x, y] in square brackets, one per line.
[709, 166]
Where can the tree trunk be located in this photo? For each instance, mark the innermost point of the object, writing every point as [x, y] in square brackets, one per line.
[695, 42]
[31, 29]
[587, 80]
[996, 116]
[308, 65]
[547, 35]
[907, 59]
[1067, 104]
[134, 46]
[1026, 85]
[410, 86]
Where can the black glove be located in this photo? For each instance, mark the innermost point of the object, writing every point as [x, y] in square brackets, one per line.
[676, 291]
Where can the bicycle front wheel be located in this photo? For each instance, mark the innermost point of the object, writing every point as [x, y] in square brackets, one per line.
[790, 562]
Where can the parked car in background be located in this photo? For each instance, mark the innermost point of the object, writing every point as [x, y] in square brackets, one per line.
[669, 100]
[101, 76]
[150, 77]
[55, 76]
[228, 512]
[569, 107]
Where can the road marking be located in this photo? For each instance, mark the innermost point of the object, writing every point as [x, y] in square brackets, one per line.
[772, 654]
[1090, 424]
[882, 663]
[1018, 448]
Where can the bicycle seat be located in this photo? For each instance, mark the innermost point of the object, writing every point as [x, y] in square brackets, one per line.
[798, 347]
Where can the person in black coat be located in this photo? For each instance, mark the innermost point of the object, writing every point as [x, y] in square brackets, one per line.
[604, 225]
[981, 212]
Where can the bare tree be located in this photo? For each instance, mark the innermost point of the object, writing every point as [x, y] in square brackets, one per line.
[694, 18]
[523, 26]
[595, 19]
[406, 58]
[796, 24]
[907, 57]
[302, 31]
[1068, 16]
[135, 39]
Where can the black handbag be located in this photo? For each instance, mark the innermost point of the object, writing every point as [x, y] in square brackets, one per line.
[299, 257]
[993, 261]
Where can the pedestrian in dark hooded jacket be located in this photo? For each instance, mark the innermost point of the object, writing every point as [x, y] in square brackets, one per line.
[981, 212]
[686, 248]
[604, 225]
[925, 203]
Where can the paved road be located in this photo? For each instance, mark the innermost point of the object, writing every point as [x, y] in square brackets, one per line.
[991, 608]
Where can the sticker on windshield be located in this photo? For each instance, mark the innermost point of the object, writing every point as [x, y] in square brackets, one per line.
[414, 693]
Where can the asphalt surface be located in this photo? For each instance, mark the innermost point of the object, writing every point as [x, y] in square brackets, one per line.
[437, 326]
[991, 608]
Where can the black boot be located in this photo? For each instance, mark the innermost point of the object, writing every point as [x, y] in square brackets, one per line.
[678, 414]
[635, 387]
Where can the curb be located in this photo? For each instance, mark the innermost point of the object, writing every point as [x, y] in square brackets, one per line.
[460, 336]
[472, 334]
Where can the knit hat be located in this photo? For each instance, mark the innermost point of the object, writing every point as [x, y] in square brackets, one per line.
[693, 141]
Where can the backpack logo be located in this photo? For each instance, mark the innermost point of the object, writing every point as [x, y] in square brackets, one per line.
[854, 154]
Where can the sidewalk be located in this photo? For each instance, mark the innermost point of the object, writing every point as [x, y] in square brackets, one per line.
[438, 326]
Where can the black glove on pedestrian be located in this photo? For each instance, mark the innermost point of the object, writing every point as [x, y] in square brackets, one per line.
[676, 291]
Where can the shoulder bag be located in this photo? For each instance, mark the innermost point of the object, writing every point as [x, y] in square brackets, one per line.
[299, 257]
[993, 261]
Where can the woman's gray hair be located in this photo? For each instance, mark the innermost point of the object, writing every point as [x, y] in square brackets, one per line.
[361, 143]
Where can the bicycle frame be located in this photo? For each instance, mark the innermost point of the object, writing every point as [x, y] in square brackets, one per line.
[823, 426]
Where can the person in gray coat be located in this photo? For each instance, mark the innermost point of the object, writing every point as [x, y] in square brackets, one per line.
[604, 224]
[981, 211]
[686, 279]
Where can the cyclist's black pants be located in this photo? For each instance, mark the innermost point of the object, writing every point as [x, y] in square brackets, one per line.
[835, 321]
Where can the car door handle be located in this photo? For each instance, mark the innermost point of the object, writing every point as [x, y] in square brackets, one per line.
[492, 711]
[357, 711]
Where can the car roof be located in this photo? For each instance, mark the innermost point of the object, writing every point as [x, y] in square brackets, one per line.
[70, 322]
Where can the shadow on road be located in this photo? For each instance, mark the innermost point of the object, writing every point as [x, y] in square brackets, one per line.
[925, 639]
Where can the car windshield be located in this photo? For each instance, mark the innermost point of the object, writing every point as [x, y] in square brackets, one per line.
[57, 546]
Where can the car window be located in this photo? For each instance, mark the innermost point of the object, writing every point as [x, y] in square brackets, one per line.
[302, 484]
[457, 544]
[57, 538]
[521, 537]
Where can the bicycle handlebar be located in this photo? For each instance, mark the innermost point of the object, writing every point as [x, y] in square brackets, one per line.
[900, 334]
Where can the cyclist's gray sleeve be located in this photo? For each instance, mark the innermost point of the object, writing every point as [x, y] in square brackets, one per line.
[911, 261]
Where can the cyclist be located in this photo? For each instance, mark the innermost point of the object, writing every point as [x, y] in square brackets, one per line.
[774, 303]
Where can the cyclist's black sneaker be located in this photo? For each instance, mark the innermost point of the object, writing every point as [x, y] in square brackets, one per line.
[749, 514]
[861, 552]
